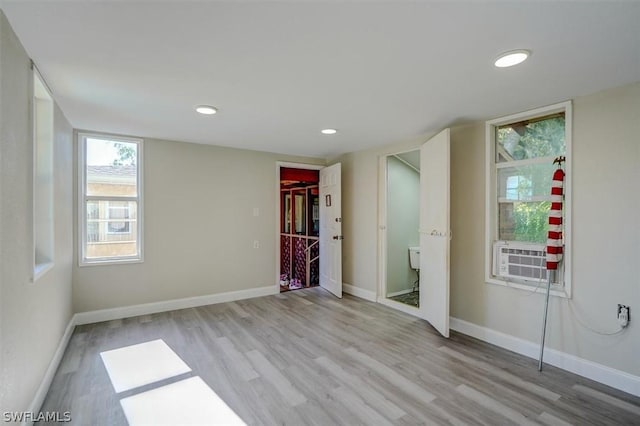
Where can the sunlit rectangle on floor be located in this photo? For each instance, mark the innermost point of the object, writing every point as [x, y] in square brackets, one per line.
[138, 365]
[187, 402]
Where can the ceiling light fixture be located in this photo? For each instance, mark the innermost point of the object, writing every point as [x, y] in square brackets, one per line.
[511, 58]
[206, 109]
[328, 131]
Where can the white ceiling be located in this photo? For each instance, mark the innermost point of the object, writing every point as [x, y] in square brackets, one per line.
[380, 72]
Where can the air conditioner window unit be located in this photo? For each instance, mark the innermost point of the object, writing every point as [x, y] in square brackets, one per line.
[519, 260]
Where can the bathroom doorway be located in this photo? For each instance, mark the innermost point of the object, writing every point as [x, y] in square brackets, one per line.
[402, 223]
[414, 224]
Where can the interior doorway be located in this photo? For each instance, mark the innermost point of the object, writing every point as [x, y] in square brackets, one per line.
[299, 223]
[403, 221]
[420, 177]
[308, 227]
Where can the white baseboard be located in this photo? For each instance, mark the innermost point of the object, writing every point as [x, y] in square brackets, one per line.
[41, 393]
[91, 317]
[600, 373]
[359, 292]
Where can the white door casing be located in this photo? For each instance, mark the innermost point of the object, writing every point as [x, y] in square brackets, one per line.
[435, 231]
[331, 229]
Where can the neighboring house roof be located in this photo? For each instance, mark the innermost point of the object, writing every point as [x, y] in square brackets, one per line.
[112, 174]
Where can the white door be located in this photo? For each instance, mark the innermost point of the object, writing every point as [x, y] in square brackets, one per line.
[331, 229]
[435, 231]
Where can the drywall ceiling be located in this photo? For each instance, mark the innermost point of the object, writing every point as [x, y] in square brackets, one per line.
[279, 72]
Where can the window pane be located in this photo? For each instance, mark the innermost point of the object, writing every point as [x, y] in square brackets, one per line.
[118, 210]
[111, 168]
[521, 221]
[111, 229]
[525, 182]
[300, 214]
[542, 137]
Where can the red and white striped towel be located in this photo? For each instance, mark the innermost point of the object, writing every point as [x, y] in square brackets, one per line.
[554, 236]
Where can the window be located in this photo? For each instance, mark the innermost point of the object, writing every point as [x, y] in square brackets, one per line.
[111, 203]
[42, 177]
[520, 153]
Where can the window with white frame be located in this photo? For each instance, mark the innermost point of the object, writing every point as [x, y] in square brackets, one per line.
[521, 149]
[111, 201]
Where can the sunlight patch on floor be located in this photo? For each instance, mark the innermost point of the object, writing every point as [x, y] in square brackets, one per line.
[187, 402]
[138, 365]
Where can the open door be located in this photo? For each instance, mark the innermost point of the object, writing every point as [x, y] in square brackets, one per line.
[331, 229]
[435, 233]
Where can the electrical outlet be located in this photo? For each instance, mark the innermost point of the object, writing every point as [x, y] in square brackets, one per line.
[624, 315]
[256, 244]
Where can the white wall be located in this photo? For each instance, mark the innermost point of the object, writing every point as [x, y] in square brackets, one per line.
[403, 216]
[33, 316]
[199, 228]
[606, 168]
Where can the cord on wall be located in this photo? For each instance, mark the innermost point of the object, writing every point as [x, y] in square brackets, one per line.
[529, 292]
[601, 333]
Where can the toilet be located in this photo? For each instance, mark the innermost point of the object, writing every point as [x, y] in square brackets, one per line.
[414, 258]
[414, 262]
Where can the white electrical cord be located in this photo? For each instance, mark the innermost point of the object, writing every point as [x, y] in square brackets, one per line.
[575, 315]
[602, 333]
[530, 292]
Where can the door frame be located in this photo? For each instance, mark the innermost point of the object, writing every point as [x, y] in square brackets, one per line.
[381, 294]
[280, 164]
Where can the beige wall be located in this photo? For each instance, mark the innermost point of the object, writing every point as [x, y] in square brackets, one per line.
[199, 228]
[606, 237]
[606, 233]
[33, 316]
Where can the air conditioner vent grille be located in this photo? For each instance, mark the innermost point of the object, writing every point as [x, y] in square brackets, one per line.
[520, 260]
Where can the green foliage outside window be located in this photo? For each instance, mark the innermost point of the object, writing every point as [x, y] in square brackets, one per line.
[525, 140]
[127, 153]
[542, 138]
[531, 221]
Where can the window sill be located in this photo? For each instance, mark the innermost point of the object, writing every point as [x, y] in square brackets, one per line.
[556, 290]
[110, 262]
[40, 270]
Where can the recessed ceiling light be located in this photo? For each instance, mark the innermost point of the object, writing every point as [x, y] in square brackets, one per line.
[509, 59]
[328, 131]
[206, 109]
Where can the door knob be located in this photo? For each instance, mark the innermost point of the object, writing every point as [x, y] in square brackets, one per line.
[338, 237]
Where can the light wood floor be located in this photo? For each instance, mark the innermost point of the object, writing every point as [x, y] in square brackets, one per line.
[305, 357]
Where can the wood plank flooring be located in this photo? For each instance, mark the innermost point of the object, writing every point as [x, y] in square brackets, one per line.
[307, 358]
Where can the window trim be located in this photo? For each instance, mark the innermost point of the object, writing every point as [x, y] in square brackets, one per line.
[491, 204]
[82, 200]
